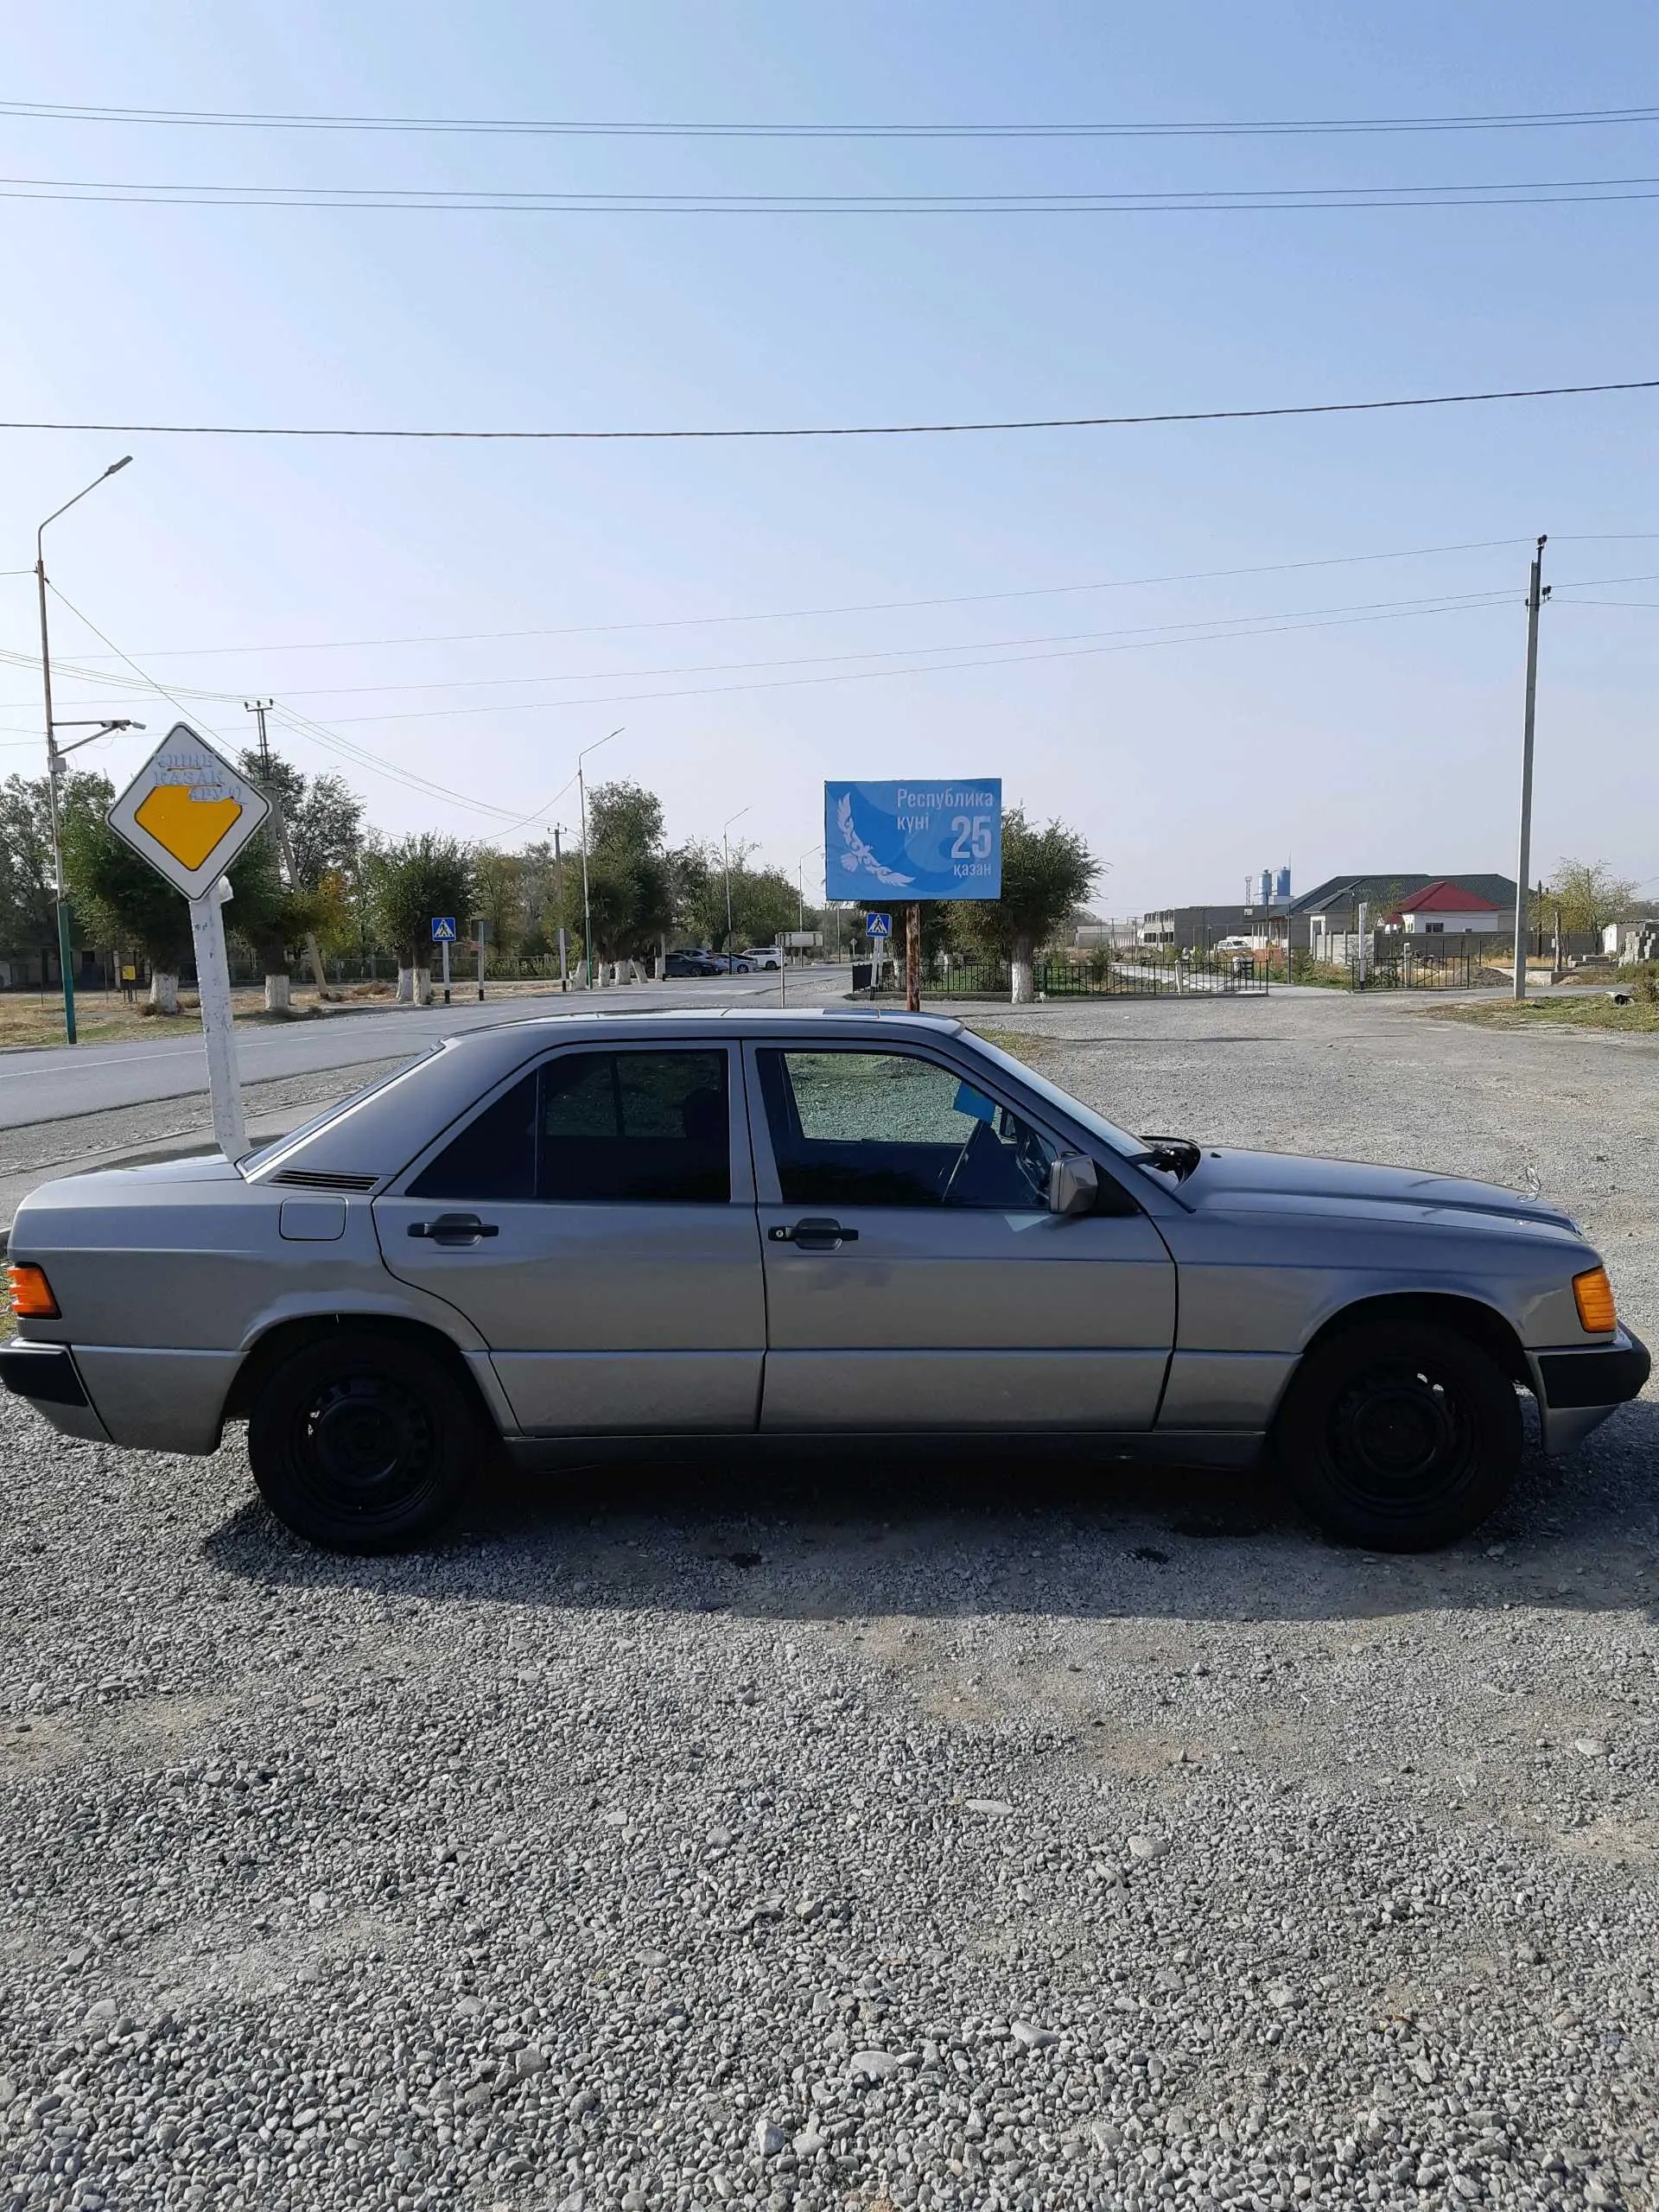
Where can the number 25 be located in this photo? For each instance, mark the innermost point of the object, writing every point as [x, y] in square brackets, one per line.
[972, 840]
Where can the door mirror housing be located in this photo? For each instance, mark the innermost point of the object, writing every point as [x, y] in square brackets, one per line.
[1073, 1182]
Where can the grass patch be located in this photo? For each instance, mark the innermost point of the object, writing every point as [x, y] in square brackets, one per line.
[1554, 1013]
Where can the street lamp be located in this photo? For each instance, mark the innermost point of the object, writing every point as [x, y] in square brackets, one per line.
[51, 752]
[800, 881]
[725, 847]
[587, 910]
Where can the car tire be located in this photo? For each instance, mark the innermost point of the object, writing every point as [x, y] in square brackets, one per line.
[363, 1442]
[1399, 1437]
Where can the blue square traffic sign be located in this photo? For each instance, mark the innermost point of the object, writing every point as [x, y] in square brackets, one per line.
[878, 925]
[443, 929]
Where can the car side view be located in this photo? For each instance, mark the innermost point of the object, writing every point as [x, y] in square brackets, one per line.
[752, 1226]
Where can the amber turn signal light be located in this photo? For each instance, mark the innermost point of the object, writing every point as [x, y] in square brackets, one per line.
[31, 1294]
[1593, 1294]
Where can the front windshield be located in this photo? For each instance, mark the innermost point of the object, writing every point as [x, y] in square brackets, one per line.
[1097, 1124]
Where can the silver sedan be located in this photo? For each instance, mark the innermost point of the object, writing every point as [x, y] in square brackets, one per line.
[755, 1227]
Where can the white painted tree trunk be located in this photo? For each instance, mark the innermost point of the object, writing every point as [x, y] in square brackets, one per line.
[1024, 984]
[163, 991]
[422, 986]
[405, 984]
[636, 972]
[278, 996]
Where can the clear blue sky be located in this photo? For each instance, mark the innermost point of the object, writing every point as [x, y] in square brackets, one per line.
[1391, 744]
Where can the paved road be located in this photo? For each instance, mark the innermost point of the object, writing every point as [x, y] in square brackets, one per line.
[64, 1081]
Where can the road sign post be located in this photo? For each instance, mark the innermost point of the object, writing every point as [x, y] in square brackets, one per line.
[189, 813]
[443, 934]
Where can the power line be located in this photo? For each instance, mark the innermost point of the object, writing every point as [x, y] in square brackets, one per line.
[236, 119]
[863, 607]
[436, 200]
[855, 430]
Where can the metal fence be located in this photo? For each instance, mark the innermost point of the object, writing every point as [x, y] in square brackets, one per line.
[1137, 975]
[1402, 968]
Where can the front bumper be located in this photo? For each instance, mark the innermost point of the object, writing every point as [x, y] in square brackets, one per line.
[1576, 1390]
[47, 1376]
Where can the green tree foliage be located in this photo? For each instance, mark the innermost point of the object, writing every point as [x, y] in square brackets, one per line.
[27, 901]
[1589, 895]
[1046, 873]
[498, 882]
[410, 882]
[631, 879]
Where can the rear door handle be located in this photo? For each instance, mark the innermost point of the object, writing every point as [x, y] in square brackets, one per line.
[454, 1229]
[815, 1234]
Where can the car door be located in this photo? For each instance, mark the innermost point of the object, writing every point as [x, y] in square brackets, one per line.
[594, 1221]
[915, 1278]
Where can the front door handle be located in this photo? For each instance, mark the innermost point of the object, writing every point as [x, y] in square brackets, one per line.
[815, 1234]
[453, 1229]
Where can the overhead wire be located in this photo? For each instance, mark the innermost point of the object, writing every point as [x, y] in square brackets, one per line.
[1314, 127]
[1172, 417]
[444, 199]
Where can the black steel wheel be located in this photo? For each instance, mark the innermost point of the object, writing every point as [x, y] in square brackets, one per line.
[1401, 1436]
[362, 1443]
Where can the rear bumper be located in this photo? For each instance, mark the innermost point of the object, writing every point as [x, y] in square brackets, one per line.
[46, 1375]
[1577, 1390]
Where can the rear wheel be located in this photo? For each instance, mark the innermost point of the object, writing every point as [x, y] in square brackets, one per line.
[362, 1443]
[1399, 1437]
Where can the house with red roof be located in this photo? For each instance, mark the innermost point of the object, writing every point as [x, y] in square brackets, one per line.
[1439, 908]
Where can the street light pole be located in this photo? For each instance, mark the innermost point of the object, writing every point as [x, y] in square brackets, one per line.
[53, 765]
[725, 846]
[586, 908]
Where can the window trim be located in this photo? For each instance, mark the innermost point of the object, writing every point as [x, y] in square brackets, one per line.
[967, 1069]
[739, 1163]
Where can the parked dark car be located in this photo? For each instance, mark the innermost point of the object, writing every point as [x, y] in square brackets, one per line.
[690, 963]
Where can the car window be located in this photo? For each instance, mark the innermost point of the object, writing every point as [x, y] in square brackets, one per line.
[595, 1127]
[892, 1129]
[495, 1156]
[635, 1126]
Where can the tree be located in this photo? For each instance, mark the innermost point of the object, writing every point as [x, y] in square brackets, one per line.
[1046, 873]
[27, 899]
[409, 883]
[122, 900]
[1589, 895]
[499, 896]
[272, 916]
[322, 838]
[631, 879]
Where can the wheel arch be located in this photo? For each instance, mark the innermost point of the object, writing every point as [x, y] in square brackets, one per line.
[1481, 1325]
[284, 1338]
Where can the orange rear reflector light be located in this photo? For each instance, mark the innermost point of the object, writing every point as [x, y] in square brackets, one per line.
[31, 1294]
[1595, 1296]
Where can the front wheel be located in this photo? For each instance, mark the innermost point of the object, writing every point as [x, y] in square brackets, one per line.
[1399, 1437]
[362, 1443]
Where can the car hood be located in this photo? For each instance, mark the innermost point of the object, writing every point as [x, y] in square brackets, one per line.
[1226, 1181]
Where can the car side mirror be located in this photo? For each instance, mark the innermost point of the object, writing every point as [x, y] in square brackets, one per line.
[1073, 1182]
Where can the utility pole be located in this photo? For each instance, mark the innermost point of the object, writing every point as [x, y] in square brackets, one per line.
[258, 709]
[55, 757]
[725, 848]
[558, 892]
[586, 905]
[1536, 594]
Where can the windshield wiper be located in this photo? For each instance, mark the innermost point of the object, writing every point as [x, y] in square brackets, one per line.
[1176, 1156]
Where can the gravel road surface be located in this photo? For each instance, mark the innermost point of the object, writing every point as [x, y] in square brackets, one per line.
[826, 1836]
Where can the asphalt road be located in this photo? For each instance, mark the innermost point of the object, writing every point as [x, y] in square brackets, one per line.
[64, 1081]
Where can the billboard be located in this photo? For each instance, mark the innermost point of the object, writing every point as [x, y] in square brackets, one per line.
[941, 840]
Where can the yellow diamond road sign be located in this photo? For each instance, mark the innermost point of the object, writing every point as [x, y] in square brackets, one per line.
[189, 812]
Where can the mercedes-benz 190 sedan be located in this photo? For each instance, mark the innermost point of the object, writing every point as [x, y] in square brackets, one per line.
[768, 1226]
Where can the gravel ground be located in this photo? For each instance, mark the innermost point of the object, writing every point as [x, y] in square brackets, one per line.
[835, 1837]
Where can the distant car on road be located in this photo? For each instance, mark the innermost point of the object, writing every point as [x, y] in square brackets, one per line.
[762, 1227]
[764, 956]
[731, 963]
[690, 963]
